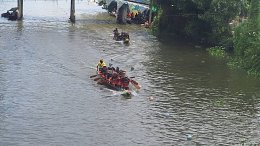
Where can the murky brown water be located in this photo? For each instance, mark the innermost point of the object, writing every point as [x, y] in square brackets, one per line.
[47, 97]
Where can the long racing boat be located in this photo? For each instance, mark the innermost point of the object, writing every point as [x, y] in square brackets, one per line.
[116, 81]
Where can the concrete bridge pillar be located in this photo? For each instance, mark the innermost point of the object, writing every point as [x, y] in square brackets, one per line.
[150, 12]
[72, 11]
[122, 13]
[20, 9]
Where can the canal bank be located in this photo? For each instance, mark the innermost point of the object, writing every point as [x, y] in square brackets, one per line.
[137, 12]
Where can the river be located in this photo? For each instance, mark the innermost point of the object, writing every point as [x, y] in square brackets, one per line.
[48, 98]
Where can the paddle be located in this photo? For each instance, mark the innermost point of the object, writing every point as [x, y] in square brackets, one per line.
[93, 76]
[137, 86]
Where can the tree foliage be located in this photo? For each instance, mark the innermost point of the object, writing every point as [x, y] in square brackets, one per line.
[247, 40]
[206, 21]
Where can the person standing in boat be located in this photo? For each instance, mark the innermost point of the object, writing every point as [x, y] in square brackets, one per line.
[116, 34]
[100, 65]
[117, 69]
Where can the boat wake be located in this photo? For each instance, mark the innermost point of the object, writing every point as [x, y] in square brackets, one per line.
[119, 93]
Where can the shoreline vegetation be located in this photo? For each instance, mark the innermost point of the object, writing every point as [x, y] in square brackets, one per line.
[231, 28]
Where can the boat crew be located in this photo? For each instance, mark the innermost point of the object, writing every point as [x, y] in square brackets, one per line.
[125, 82]
[117, 69]
[101, 64]
[109, 74]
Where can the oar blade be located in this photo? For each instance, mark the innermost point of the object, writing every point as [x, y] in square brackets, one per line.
[93, 76]
[137, 86]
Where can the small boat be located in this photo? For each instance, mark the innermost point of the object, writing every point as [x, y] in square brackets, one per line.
[11, 14]
[122, 37]
[125, 41]
[114, 84]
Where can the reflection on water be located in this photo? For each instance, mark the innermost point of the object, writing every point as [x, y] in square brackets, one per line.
[47, 97]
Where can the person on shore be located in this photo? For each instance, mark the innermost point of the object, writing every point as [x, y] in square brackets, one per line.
[100, 65]
[146, 24]
[129, 15]
[132, 16]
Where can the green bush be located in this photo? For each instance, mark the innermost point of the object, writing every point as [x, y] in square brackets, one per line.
[156, 23]
[217, 51]
[247, 42]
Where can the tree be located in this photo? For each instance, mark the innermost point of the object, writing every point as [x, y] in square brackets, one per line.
[201, 20]
[247, 40]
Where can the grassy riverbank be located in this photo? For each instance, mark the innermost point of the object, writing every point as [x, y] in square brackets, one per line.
[246, 43]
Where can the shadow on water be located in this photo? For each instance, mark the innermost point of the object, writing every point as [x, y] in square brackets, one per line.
[19, 26]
